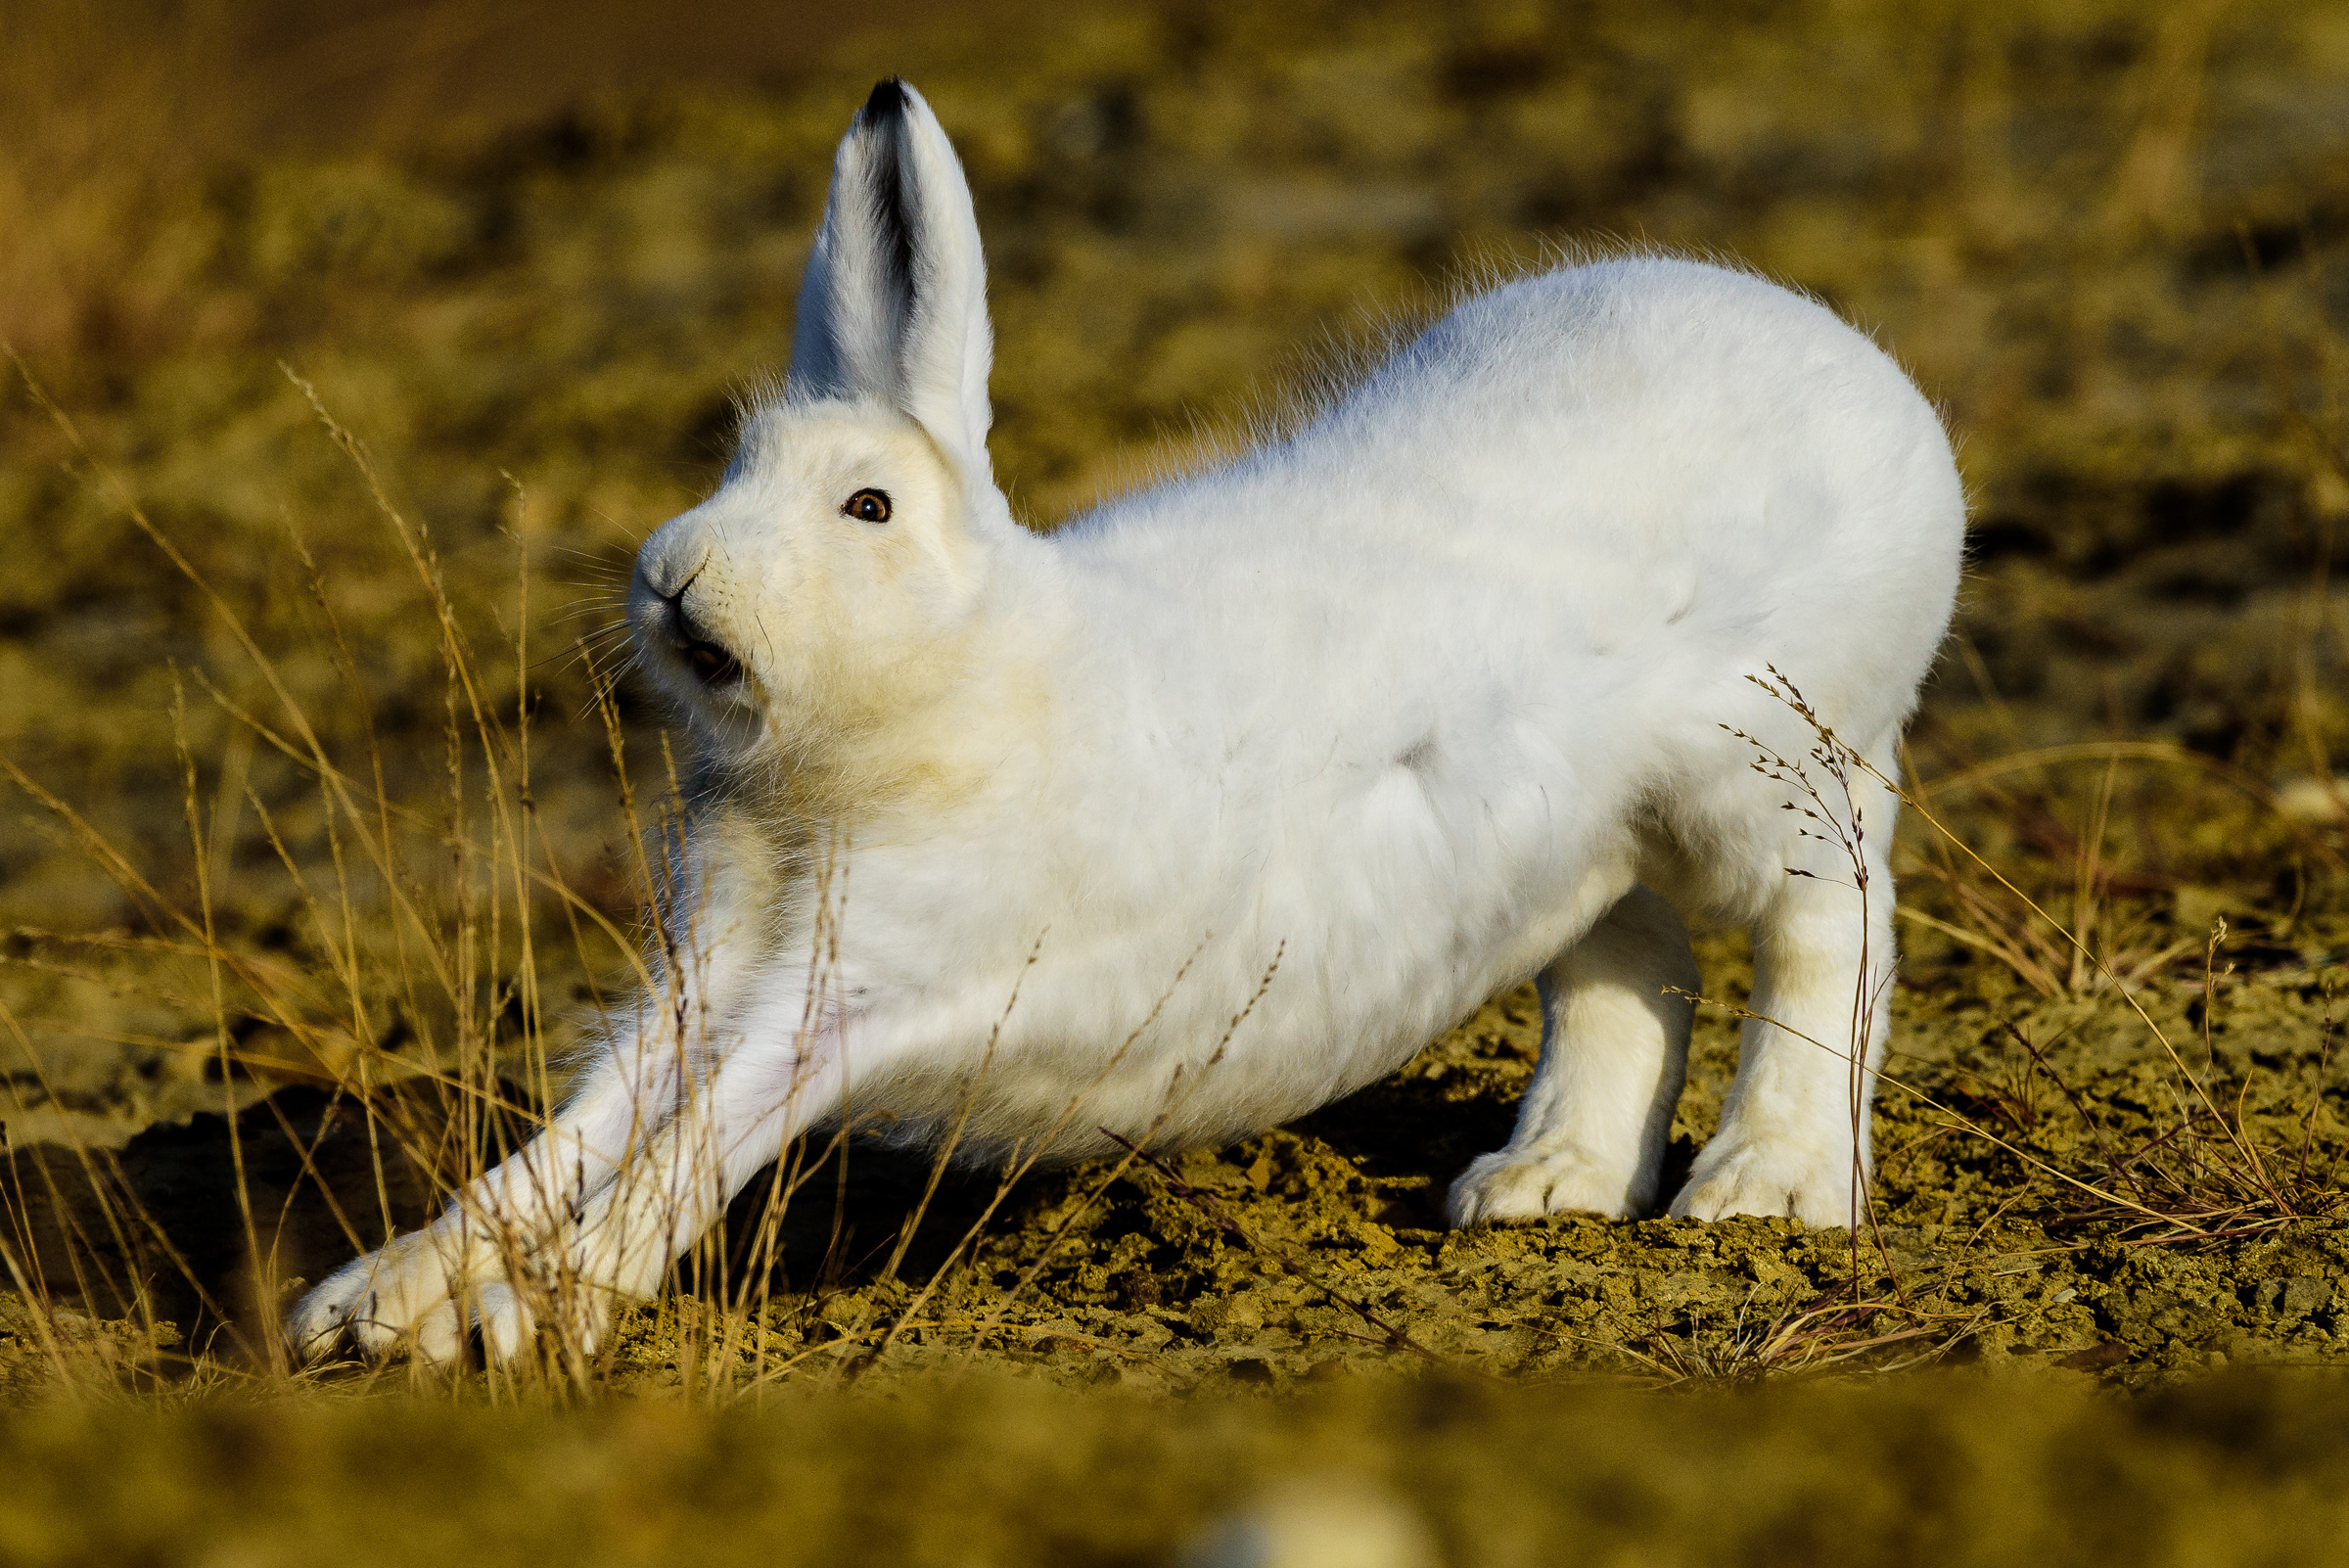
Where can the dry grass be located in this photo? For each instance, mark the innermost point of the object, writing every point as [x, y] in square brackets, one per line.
[2201, 1172]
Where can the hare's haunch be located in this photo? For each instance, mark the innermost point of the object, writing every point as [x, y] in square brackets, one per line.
[1462, 682]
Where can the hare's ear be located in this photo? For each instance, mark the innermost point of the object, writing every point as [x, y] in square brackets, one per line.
[894, 307]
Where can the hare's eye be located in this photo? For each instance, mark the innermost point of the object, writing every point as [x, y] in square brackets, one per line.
[867, 506]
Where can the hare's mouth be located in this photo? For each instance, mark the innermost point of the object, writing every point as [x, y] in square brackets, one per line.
[711, 665]
[712, 662]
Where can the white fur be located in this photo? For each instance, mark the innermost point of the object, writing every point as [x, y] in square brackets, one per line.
[1401, 708]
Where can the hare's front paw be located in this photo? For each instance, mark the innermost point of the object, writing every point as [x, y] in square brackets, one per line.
[1528, 1183]
[412, 1296]
[405, 1293]
[511, 1312]
[1737, 1174]
[425, 1289]
[573, 1288]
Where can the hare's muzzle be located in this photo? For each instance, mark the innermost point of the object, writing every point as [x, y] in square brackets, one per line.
[713, 663]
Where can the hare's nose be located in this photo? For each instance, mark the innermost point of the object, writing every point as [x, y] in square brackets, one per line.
[712, 662]
[676, 620]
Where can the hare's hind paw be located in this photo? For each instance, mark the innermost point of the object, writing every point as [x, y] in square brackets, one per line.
[1527, 1185]
[1737, 1175]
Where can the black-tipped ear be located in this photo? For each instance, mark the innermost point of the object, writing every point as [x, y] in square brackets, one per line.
[885, 103]
[894, 306]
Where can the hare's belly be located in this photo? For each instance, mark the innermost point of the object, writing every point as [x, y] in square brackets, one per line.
[1335, 979]
[1305, 946]
[1184, 1043]
[1414, 897]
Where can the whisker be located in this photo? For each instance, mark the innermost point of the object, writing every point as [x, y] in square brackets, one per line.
[598, 557]
[589, 608]
[602, 679]
[589, 649]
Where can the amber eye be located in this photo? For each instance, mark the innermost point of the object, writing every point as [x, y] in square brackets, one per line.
[866, 506]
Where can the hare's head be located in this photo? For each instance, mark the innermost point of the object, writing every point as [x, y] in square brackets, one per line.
[831, 578]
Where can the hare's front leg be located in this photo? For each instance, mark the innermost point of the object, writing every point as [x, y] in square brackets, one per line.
[1591, 1130]
[618, 1246]
[417, 1289]
[1794, 1133]
[413, 1289]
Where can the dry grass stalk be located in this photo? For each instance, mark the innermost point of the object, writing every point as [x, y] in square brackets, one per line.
[2206, 1176]
[1831, 1333]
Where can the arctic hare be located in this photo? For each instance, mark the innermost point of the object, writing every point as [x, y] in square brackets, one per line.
[1432, 695]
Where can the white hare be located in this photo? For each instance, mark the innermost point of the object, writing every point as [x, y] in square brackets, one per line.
[1424, 699]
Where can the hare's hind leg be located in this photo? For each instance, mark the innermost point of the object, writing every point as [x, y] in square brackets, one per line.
[1593, 1123]
[1794, 1131]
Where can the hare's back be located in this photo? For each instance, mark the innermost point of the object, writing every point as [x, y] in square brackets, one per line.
[1657, 451]
[1644, 476]
[1647, 391]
